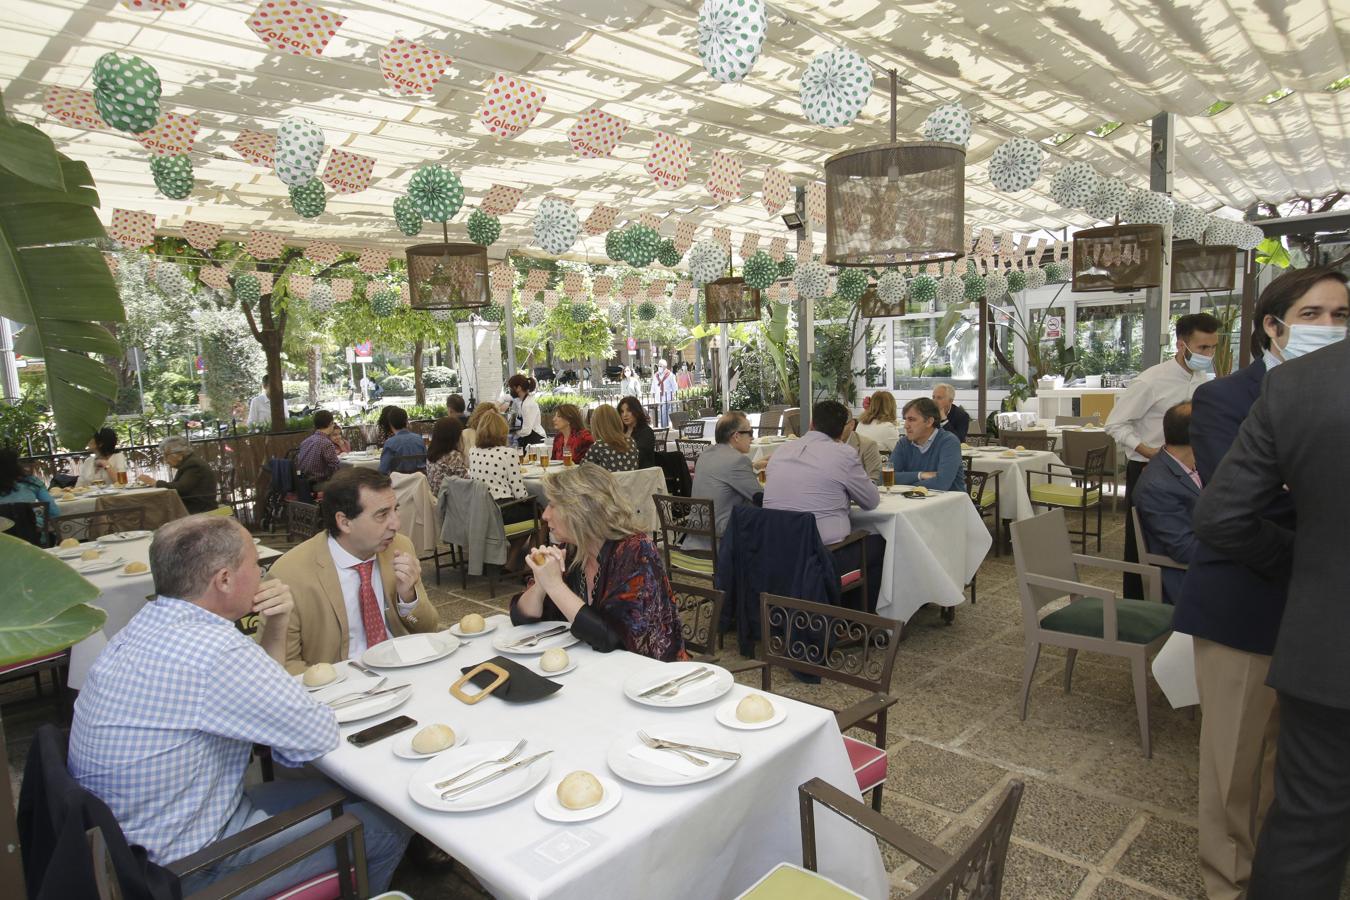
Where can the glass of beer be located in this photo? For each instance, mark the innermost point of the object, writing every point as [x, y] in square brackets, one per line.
[888, 476]
[122, 476]
[544, 459]
[567, 456]
[763, 474]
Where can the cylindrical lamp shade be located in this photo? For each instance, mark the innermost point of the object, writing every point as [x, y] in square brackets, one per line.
[1117, 258]
[731, 300]
[1198, 268]
[895, 203]
[448, 276]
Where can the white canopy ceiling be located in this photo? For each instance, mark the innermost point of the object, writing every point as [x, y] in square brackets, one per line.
[1026, 67]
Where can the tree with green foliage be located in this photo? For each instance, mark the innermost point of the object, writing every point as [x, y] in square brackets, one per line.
[589, 338]
[353, 322]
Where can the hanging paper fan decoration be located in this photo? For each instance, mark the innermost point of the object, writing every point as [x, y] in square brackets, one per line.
[812, 280]
[974, 284]
[247, 288]
[668, 255]
[646, 311]
[923, 288]
[483, 228]
[536, 313]
[173, 175]
[1149, 208]
[1109, 200]
[298, 148]
[126, 92]
[171, 280]
[786, 266]
[492, 312]
[1188, 223]
[642, 243]
[1247, 237]
[995, 286]
[321, 296]
[1054, 272]
[852, 285]
[1035, 279]
[1017, 281]
[383, 301]
[892, 288]
[1015, 165]
[436, 192]
[950, 290]
[707, 261]
[730, 36]
[679, 310]
[1220, 231]
[556, 226]
[835, 87]
[949, 123]
[616, 246]
[406, 216]
[1074, 184]
[308, 199]
[760, 271]
[581, 313]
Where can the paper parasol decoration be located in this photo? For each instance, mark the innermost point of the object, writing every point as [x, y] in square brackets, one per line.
[436, 192]
[949, 123]
[247, 289]
[1248, 236]
[1074, 184]
[383, 301]
[786, 266]
[1220, 231]
[126, 92]
[707, 261]
[1035, 279]
[892, 288]
[1108, 201]
[760, 271]
[852, 285]
[812, 280]
[645, 311]
[321, 296]
[509, 106]
[298, 148]
[1017, 281]
[1150, 208]
[556, 227]
[616, 246]
[309, 199]
[596, 133]
[483, 228]
[173, 175]
[1015, 165]
[641, 245]
[923, 288]
[951, 290]
[668, 255]
[730, 36]
[1188, 223]
[835, 87]
[995, 286]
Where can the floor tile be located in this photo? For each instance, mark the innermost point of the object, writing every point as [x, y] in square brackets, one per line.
[1163, 856]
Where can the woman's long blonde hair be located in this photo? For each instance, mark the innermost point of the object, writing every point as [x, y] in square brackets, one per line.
[587, 499]
[606, 426]
[881, 408]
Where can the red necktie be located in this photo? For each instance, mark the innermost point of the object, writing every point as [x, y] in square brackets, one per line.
[371, 619]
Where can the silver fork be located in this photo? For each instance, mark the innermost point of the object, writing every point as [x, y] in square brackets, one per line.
[370, 690]
[531, 641]
[362, 669]
[662, 745]
[707, 751]
[515, 751]
[465, 788]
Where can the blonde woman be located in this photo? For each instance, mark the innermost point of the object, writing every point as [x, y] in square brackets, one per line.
[609, 583]
[613, 450]
[879, 421]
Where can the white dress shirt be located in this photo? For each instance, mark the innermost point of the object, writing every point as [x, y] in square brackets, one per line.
[350, 581]
[1137, 417]
[260, 410]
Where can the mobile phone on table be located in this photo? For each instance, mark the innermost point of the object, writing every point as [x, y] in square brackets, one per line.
[379, 732]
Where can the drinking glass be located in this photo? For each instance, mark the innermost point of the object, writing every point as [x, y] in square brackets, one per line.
[567, 456]
[122, 476]
[888, 476]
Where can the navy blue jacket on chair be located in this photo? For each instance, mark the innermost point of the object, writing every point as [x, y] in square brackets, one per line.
[1164, 497]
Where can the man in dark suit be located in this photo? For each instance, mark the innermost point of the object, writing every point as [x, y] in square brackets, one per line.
[1165, 497]
[1233, 611]
[953, 418]
[1304, 844]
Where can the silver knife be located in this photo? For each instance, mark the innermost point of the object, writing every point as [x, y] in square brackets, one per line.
[465, 788]
[675, 682]
[706, 751]
[536, 638]
[361, 698]
[362, 669]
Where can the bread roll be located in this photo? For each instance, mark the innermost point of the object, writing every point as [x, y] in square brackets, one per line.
[580, 790]
[472, 623]
[554, 660]
[753, 709]
[89, 555]
[68, 543]
[433, 739]
[1019, 448]
[319, 674]
[135, 568]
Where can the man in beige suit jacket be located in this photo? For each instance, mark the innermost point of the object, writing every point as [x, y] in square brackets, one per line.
[360, 512]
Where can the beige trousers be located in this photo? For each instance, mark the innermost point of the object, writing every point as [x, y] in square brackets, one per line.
[1237, 762]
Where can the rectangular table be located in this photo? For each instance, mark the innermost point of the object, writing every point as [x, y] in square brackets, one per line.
[162, 505]
[1014, 503]
[361, 459]
[934, 547]
[706, 840]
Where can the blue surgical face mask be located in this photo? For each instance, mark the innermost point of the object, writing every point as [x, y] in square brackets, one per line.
[1304, 339]
[1197, 363]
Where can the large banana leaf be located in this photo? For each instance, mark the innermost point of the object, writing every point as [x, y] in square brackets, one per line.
[58, 289]
[45, 608]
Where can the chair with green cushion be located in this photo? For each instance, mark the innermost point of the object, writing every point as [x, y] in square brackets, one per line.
[1084, 495]
[984, 495]
[682, 516]
[1094, 617]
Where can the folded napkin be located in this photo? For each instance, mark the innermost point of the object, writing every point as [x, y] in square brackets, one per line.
[665, 759]
[415, 647]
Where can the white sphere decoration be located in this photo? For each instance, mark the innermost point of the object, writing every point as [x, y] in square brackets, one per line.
[1149, 208]
[556, 227]
[321, 296]
[1015, 165]
[949, 123]
[1035, 278]
[892, 288]
[812, 280]
[951, 290]
[1108, 201]
[707, 262]
[995, 286]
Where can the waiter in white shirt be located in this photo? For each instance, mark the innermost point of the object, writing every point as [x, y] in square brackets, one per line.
[1135, 423]
[260, 408]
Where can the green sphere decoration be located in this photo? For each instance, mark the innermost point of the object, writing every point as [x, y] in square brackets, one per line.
[483, 228]
[126, 92]
[436, 192]
[1054, 272]
[760, 271]
[1017, 281]
[667, 255]
[852, 285]
[786, 267]
[173, 175]
[642, 244]
[616, 246]
[308, 200]
[581, 313]
[974, 285]
[383, 301]
[407, 217]
[923, 288]
[493, 312]
[247, 288]
[646, 311]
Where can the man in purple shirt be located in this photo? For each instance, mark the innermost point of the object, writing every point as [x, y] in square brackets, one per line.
[317, 457]
[821, 474]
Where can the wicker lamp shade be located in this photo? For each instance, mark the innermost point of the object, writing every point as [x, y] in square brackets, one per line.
[448, 276]
[1203, 269]
[731, 300]
[1117, 258]
[894, 203]
[874, 307]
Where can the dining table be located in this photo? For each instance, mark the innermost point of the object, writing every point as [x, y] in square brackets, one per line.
[365, 459]
[638, 485]
[713, 838]
[1014, 503]
[161, 505]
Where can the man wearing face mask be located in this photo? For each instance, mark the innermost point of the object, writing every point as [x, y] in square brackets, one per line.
[1136, 421]
[1233, 611]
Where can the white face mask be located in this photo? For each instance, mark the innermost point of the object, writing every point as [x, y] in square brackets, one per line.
[1304, 339]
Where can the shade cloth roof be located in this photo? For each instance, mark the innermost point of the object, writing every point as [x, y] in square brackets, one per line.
[1035, 68]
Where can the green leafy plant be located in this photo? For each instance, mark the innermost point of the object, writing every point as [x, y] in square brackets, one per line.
[46, 606]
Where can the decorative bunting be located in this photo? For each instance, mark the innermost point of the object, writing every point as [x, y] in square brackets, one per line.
[410, 68]
[373, 261]
[300, 285]
[724, 183]
[683, 289]
[502, 279]
[342, 289]
[656, 290]
[602, 286]
[596, 133]
[509, 106]
[264, 244]
[264, 281]
[650, 220]
[502, 200]
[777, 190]
[155, 5]
[348, 173]
[631, 287]
[536, 280]
[303, 29]
[805, 247]
[560, 198]
[749, 244]
[984, 244]
[1040, 252]
[574, 284]
[668, 162]
[601, 219]
[815, 203]
[132, 228]
[778, 248]
[723, 237]
[323, 253]
[550, 298]
[405, 294]
[202, 235]
[773, 292]
[173, 135]
[216, 277]
[74, 108]
[255, 147]
[684, 234]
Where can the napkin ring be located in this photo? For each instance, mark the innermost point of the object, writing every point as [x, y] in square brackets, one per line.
[500, 677]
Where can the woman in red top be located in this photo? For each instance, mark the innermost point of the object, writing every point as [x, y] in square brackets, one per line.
[571, 433]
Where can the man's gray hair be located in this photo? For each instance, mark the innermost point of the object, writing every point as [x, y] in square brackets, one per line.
[186, 554]
[728, 425]
[947, 388]
[175, 443]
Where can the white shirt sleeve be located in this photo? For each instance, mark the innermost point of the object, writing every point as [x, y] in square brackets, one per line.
[1123, 424]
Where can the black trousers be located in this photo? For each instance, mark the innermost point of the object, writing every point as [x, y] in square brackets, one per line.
[1306, 839]
[848, 559]
[1134, 584]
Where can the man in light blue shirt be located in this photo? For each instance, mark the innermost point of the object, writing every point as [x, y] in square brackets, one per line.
[404, 451]
[927, 456]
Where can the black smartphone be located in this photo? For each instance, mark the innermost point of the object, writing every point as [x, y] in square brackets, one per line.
[379, 732]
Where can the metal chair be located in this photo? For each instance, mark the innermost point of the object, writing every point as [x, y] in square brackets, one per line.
[695, 430]
[1028, 440]
[985, 498]
[681, 516]
[303, 520]
[92, 525]
[1082, 497]
[691, 450]
[678, 419]
[1076, 446]
[662, 436]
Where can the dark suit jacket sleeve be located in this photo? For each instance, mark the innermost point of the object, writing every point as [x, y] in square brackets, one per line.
[645, 441]
[1215, 420]
[1166, 516]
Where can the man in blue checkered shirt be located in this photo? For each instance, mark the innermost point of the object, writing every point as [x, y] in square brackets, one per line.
[169, 712]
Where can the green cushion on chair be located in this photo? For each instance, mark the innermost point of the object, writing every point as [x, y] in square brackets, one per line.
[990, 498]
[697, 564]
[790, 882]
[519, 528]
[1137, 621]
[221, 511]
[1062, 495]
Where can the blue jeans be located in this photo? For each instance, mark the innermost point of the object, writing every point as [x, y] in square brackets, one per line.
[385, 837]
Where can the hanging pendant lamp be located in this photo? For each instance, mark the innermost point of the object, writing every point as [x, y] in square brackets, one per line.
[448, 276]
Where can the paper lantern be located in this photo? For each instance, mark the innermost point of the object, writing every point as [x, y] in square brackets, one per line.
[892, 288]
[483, 228]
[835, 87]
[786, 266]
[923, 289]
[1108, 200]
[1249, 236]
[1035, 279]
[173, 175]
[1054, 272]
[950, 290]
[645, 311]
[812, 280]
[406, 216]
[1188, 223]
[852, 284]
[995, 286]
[581, 313]
[730, 37]
[641, 244]
[616, 246]
[436, 192]
[974, 285]
[247, 288]
[1017, 281]
[1074, 184]
[668, 255]
[308, 200]
[298, 148]
[707, 261]
[1015, 165]
[383, 301]
[556, 226]
[126, 92]
[760, 271]
[321, 297]
[1150, 208]
[950, 123]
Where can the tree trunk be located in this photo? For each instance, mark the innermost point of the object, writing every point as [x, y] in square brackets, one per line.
[276, 391]
[419, 388]
[314, 360]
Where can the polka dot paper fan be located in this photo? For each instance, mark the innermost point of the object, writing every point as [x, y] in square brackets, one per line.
[556, 227]
[299, 145]
[730, 37]
[641, 244]
[923, 288]
[892, 288]
[1108, 201]
[949, 123]
[321, 296]
[1015, 165]
[407, 217]
[1074, 184]
[1149, 208]
[483, 228]
[1248, 236]
[951, 290]
[760, 271]
[852, 284]
[173, 175]
[995, 286]
[1017, 281]
[1188, 223]
[436, 192]
[668, 254]
[812, 280]
[835, 87]
[1035, 279]
[707, 261]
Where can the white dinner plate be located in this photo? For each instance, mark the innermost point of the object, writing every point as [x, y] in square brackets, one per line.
[534, 666]
[1025, 452]
[503, 790]
[520, 632]
[341, 670]
[122, 536]
[726, 715]
[145, 574]
[375, 705]
[696, 693]
[99, 565]
[257, 541]
[410, 650]
[459, 633]
[73, 552]
[403, 742]
[630, 768]
[547, 805]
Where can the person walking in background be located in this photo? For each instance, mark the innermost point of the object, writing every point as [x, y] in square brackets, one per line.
[663, 388]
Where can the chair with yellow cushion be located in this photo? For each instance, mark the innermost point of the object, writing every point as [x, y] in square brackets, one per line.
[681, 517]
[1082, 496]
[983, 490]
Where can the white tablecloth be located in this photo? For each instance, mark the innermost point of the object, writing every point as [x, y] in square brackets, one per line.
[88, 502]
[121, 597]
[933, 548]
[1013, 501]
[763, 449]
[707, 840]
[360, 459]
[638, 486]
